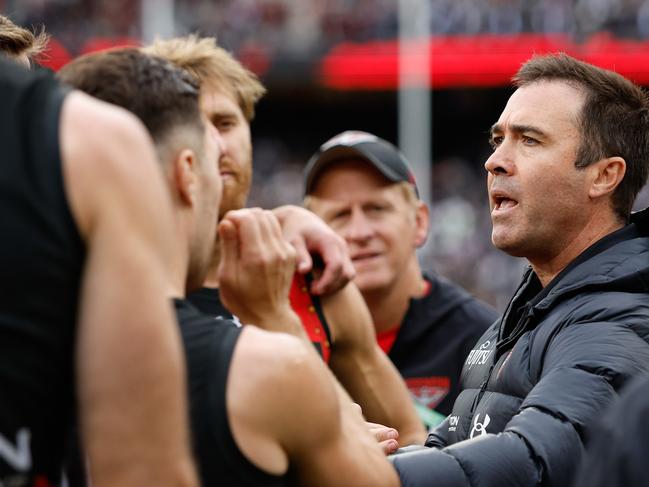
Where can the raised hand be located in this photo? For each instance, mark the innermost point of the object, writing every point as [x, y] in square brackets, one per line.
[256, 269]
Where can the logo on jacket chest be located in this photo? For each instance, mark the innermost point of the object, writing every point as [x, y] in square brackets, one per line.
[480, 355]
[479, 428]
[453, 421]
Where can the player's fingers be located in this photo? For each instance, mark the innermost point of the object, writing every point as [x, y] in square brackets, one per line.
[303, 259]
[389, 446]
[228, 241]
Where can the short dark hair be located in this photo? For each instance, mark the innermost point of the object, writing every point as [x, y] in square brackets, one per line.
[17, 41]
[614, 119]
[158, 93]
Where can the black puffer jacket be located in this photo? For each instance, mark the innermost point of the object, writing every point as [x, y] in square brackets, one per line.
[539, 378]
[617, 456]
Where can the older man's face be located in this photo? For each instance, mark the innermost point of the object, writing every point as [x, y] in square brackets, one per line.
[381, 226]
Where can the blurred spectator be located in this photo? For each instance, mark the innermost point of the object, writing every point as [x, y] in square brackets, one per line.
[308, 27]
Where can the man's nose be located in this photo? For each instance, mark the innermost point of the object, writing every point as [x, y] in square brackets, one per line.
[220, 142]
[359, 228]
[501, 161]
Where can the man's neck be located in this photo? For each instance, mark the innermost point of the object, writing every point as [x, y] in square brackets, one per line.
[547, 268]
[179, 268]
[178, 273]
[388, 306]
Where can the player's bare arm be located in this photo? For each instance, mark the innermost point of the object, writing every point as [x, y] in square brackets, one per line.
[129, 356]
[364, 370]
[306, 421]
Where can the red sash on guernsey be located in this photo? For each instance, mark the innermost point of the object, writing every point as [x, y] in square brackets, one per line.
[309, 310]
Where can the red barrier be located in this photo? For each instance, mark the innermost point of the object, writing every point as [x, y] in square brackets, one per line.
[484, 60]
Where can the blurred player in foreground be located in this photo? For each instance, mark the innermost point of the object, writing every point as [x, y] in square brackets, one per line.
[83, 247]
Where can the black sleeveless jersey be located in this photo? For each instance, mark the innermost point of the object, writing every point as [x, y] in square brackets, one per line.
[307, 306]
[209, 343]
[41, 257]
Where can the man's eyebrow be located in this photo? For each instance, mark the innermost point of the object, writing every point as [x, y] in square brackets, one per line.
[495, 128]
[517, 128]
[225, 113]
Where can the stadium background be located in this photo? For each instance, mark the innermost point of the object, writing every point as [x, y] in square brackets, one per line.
[332, 65]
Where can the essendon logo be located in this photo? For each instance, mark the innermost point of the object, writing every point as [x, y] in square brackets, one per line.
[429, 391]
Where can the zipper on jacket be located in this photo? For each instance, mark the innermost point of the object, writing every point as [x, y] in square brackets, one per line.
[515, 335]
[483, 388]
[502, 345]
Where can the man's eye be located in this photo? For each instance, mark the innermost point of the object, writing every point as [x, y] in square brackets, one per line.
[529, 140]
[340, 215]
[225, 124]
[495, 141]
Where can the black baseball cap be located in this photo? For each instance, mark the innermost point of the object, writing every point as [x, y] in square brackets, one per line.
[380, 153]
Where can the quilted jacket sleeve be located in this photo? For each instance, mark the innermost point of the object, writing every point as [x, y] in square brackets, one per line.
[617, 456]
[439, 436]
[542, 444]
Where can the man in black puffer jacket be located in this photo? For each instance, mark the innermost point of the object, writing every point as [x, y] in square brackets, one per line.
[571, 152]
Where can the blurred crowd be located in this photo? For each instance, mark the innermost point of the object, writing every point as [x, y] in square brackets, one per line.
[294, 27]
[307, 28]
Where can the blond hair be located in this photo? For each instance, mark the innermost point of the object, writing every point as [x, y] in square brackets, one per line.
[213, 66]
[17, 41]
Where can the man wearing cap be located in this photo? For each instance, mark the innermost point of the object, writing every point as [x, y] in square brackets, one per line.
[363, 187]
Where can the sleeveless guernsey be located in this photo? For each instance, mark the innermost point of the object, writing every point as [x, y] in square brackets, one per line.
[209, 343]
[41, 257]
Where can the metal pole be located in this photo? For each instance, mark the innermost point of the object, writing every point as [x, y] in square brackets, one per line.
[415, 96]
[157, 19]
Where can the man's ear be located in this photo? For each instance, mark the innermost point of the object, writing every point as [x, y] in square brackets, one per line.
[185, 167]
[608, 174]
[422, 222]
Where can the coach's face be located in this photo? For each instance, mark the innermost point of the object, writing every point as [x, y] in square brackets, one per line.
[235, 164]
[538, 199]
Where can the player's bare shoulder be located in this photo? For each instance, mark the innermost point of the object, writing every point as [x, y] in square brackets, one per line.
[265, 363]
[276, 385]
